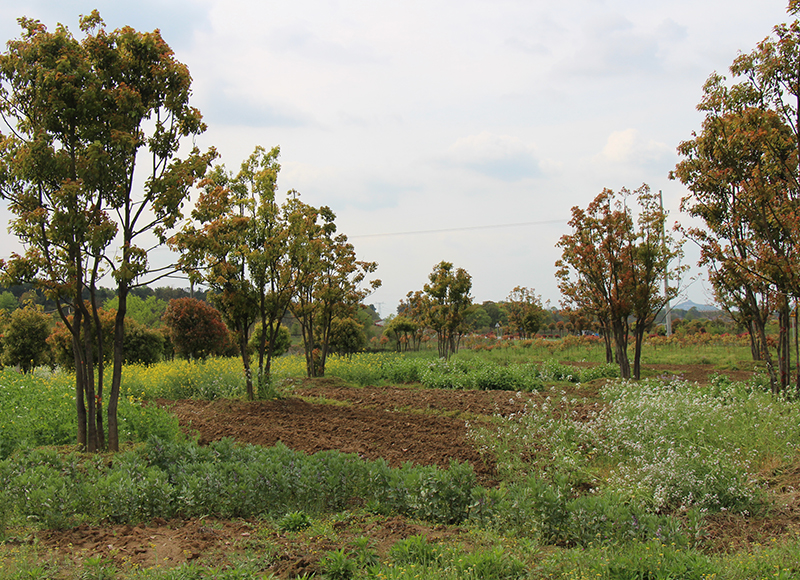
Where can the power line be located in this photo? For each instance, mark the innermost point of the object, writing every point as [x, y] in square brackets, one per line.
[464, 229]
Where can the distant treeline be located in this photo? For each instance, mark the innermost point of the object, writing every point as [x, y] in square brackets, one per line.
[25, 293]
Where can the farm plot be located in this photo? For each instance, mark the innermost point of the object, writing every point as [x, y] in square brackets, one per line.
[577, 528]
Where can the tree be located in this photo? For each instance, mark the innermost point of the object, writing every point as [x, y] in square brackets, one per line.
[196, 328]
[79, 112]
[448, 292]
[415, 309]
[478, 320]
[611, 266]
[142, 345]
[497, 314]
[742, 171]
[525, 311]
[347, 335]
[8, 302]
[240, 249]
[404, 330]
[25, 338]
[328, 279]
[146, 311]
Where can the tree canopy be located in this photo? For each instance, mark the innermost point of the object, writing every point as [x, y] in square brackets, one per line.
[742, 174]
[613, 263]
[79, 112]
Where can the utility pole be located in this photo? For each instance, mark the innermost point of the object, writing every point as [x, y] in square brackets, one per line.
[668, 315]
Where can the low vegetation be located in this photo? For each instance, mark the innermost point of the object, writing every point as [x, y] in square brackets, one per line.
[625, 485]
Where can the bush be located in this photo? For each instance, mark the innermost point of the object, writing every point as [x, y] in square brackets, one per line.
[48, 488]
[181, 478]
[133, 492]
[196, 328]
[347, 336]
[24, 340]
[283, 340]
[140, 344]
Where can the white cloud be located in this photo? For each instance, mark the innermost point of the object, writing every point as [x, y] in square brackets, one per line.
[628, 147]
[231, 107]
[498, 156]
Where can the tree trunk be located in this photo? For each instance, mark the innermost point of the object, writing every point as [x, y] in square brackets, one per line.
[796, 347]
[606, 331]
[248, 374]
[758, 324]
[116, 371]
[80, 402]
[752, 333]
[621, 348]
[88, 380]
[784, 351]
[98, 328]
[637, 352]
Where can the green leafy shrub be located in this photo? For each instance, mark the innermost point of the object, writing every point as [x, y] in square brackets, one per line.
[283, 340]
[49, 489]
[338, 565]
[439, 495]
[346, 335]
[24, 338]
[142, 345]
[132, 492]
[414, 550]
[491, 564]
[181, 478]
[246, 480]
[294, 521]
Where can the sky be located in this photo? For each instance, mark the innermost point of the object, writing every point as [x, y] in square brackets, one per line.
[455, 130]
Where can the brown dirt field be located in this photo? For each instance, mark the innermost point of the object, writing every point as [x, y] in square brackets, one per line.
[399, 424]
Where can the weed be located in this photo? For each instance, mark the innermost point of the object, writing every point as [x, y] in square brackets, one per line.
[98, 568]
[414, 550]
[338, 565]
[294, 522]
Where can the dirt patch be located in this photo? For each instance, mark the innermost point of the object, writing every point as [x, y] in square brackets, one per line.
[157, 543]
[371, 431]
[398, 424]
[212, 542]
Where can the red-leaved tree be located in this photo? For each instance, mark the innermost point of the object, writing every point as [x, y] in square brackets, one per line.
[196, 328]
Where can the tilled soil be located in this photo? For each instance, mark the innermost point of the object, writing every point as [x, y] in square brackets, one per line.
[421, 426]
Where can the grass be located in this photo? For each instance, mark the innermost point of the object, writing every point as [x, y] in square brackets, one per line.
[39, 409]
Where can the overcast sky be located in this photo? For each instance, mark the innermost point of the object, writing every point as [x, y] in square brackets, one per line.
[457, 130]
